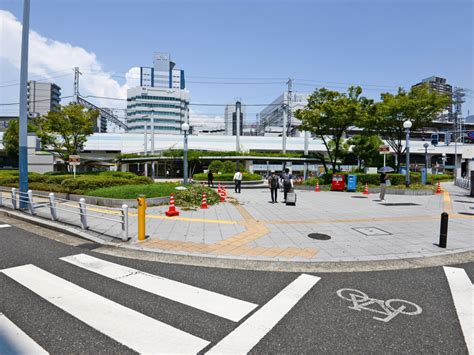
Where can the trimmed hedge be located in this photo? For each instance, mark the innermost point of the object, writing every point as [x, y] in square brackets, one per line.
[374, 179]
[227, 177]
[83, 182]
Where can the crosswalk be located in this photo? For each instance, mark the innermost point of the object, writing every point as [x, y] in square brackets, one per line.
[118, 321]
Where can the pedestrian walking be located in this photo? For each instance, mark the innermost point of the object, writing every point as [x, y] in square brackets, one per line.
[210, 179]
[383, 185]
[287, 183]
[238, 181]
[273, 184]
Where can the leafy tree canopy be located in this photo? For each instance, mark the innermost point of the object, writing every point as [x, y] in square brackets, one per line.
[11, 135]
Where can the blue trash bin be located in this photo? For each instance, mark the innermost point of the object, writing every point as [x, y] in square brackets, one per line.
[351, 183]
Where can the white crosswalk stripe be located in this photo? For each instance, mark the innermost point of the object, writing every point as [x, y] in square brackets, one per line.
[108, 317]
[5, 225]
[462, 291]
[250, 332]
[14, 341]
[208, 301]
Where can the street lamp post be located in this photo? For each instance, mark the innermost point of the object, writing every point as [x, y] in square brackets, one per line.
[23, 124]
[407, 125]
[185, 129]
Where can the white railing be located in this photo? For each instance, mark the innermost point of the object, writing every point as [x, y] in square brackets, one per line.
[79, 212]
[463, 182]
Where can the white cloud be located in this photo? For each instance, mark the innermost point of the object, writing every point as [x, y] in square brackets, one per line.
[47, 57]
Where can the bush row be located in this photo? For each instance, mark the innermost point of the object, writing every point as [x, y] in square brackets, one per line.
[82, 183]
[227, 177]
[374, 179]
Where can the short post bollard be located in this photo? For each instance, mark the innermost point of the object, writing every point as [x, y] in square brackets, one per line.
[443, 234]
[83, 211]
[52, 206]
[31, 205]
[14, 205]
[141, 216]
[124, 223]
[1, 198]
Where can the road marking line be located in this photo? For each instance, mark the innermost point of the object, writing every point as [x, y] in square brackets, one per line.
[462, 291]
[242, 339]
[14, 341]
[4, 225]
[208, 301]
[128, 327]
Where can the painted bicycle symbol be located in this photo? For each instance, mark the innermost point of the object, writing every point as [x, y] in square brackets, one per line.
[390, 308]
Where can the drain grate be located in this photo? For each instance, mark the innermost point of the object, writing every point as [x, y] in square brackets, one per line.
[371, 231]
[89, 246]
[319, 236]
[463, 201]
[400, 204]
[359, 196]
[467, 213]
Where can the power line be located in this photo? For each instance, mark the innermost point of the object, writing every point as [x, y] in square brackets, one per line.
[17, 103]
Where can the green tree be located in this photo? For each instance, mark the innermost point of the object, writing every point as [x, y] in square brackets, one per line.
[229, 167]
[329, 114]
[365, 148]
[11, 137]
[420, 105]
[216, 166]
[65, 131]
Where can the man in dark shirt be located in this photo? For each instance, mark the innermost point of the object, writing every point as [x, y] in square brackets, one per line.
[210, 179]
[383, 185]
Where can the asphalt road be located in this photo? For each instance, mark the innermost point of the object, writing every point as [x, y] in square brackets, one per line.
[319, 319]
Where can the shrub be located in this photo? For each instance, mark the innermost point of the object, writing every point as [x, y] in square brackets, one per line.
[132, 191]
[192, 196]
[229, 167]
[216, 166]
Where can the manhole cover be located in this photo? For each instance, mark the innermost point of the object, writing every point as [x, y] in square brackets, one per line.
[319, 236]
[467, 213]
[371, 231]
[359, 196]
[399, 204]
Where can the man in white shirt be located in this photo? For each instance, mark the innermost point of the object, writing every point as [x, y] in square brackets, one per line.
[238, 181]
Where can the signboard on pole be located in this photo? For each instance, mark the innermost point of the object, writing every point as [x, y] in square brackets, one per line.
[74, 160]
[470, 134]
[384, 149]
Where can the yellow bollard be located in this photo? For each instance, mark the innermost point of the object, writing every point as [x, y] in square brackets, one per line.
[141, 216]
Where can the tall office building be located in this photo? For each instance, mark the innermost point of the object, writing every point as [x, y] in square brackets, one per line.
[163, 74]
[169, 108]
[161, 95]
[271, 117]
[230, 120]
[440, 85]
[42, 98]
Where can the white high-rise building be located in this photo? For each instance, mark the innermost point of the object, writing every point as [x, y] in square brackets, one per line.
[161, 96]
[230, 120]
[169, 108]
[42, 98]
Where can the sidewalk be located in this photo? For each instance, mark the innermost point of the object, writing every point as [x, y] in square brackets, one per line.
[360, 227]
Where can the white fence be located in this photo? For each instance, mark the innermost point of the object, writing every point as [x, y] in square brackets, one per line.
[463, 182]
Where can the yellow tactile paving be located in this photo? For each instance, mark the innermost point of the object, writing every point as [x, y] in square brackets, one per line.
[272, 252]
[448, 207]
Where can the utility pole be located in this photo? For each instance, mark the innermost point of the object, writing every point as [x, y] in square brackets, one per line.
[287, 114]
[237, 129]
[458, 100]
[76, 83]
[23, 125]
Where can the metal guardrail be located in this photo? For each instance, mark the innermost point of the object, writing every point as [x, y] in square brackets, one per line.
[463, 183]
[83, 210]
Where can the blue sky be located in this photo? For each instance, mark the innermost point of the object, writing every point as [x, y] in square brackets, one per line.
[379, 44]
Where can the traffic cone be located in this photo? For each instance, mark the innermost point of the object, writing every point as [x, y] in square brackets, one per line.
[366, 189]
[204, 201]
[219, 189]
[222, 196]
[172, 210]
[438, 189]
[224, 189]
[317, 189]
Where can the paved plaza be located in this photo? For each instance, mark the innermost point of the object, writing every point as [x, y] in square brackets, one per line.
[353, 226]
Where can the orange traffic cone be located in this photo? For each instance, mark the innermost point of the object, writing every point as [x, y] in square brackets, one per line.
[172, 210]
[438, 189]
[366, 189]
[219, 189]
[222, 196]
[317, 189]
[204, 201]
[224, 189]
